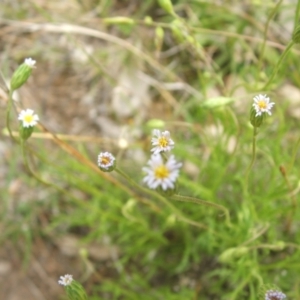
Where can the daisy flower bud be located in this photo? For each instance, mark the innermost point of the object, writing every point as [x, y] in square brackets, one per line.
[21, 75]
[106, 162]
[162, 175]
[260, 108]
[161, 141]
[167, 6]
[28, 120]
[74, 289]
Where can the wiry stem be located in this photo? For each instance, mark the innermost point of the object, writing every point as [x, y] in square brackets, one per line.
[259, 65]
[252, 159]
[37, 177]
[203, 202]
[294, 155]
[8, 109]
[249, 204]
[176, 211]
[283, 55]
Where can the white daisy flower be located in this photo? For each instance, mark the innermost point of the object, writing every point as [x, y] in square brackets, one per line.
[65, 280]
[274, 295]
[161, 174]
[28, 118]
[161, 141]
[30, 62]
[106, 161]
[262, 105]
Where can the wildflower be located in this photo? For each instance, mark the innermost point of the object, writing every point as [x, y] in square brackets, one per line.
[21, 75]
[260, 108]
[65, 280]
[262, 105]
[106, 162]
[161, 174]
[30, 62]
[73, 289]
[161, 141]
[28, 118]
[274, 295]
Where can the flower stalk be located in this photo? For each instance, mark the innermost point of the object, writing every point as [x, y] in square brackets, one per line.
[182, 198]
[8, 110]
[276, 69]
[162, 199]
[260, 108]
[252, 157]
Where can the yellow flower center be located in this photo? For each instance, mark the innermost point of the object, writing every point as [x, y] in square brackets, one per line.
[28, 118]
[161, 172]
[163, 142]
[105, 160]
[262, 104]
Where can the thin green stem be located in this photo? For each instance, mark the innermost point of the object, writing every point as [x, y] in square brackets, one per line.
[176, 211]
[240, 286]
[293, 211]
[148, 191]
[252, 159]
[263, 46]
[285, 173]
[38, 178]
[249, 204]
[25, 158]
[8, 109]
[297, 14]
[256, 235]
[295, 151]
[203, 202]
[283, 55]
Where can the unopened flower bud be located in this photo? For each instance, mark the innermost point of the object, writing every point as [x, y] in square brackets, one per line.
[25, 132]
[21, 75]
[148, 20]
[167, 6]
[118, 20]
